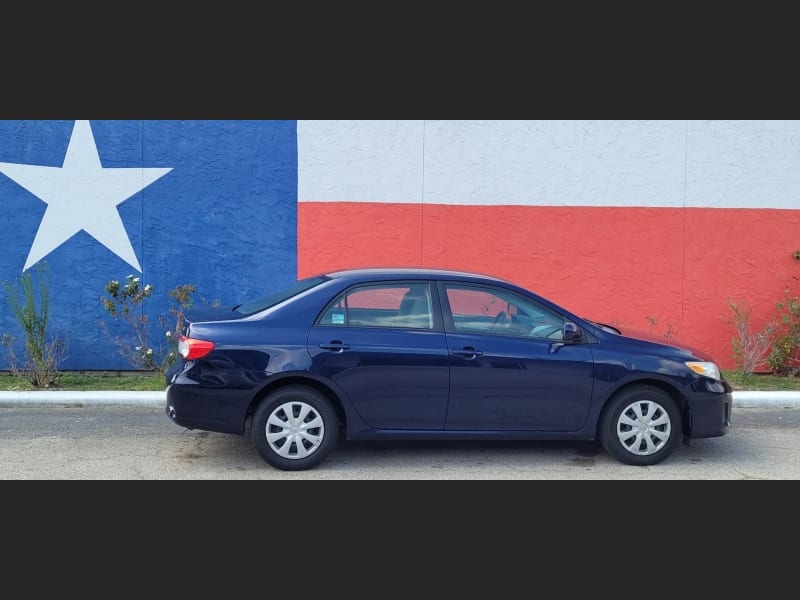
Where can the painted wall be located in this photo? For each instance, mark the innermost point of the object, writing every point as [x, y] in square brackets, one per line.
[649, 224]
[209, 203]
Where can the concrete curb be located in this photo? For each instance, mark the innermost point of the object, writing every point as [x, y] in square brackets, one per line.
[78, 399]
[741, 399]
[746, 399]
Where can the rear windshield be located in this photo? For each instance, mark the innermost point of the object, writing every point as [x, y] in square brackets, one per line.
[255, 306]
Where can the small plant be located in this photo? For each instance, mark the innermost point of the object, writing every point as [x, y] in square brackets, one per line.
[751, 348]
[653, 322]
[30, 304]
[182, 298]
[784, 356]
[125, 301]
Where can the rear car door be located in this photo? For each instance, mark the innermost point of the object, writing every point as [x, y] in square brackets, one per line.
[383, 345]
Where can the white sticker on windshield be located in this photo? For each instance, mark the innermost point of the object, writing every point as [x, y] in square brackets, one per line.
[337, 319]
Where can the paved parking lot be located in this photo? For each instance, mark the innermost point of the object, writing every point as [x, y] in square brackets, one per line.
[140, 443]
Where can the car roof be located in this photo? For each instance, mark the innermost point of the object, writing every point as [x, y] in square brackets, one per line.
[411, 272]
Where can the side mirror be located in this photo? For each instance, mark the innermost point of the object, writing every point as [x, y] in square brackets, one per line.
[572, 332]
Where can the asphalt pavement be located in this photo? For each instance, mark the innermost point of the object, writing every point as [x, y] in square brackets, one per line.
[741, 399]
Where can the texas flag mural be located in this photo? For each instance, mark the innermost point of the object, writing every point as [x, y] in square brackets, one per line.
[649, 224]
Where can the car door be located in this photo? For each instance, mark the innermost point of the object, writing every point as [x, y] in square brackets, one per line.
[510, 369]
[383, 345]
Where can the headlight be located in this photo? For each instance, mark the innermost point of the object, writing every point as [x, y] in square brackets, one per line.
[707, 369]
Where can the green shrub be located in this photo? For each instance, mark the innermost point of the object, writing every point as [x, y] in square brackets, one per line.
[783, 358]
[125, 301]
[751, 347]
[29, 301]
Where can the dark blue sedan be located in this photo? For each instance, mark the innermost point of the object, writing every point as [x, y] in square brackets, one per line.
[432, 354]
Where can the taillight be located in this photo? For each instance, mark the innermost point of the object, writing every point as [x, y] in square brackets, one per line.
[191, 348]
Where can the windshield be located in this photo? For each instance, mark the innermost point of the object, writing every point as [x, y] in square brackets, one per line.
[605, 327]
[255, 306]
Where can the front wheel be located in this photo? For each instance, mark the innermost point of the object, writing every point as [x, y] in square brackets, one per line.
[295, 428]
[641, 426]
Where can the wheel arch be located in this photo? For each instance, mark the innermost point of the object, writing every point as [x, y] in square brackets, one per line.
[664, 386]
[291, 380]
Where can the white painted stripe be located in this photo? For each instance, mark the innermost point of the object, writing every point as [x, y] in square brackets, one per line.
[714, 164]
[744, 164]
[360, 161]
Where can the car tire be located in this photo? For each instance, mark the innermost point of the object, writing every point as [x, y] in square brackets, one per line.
[295, 428]
[641, 426]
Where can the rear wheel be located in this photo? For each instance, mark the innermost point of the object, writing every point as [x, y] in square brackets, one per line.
[295, 428]
[641, 426]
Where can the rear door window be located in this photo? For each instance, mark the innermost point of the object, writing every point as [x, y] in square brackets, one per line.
[396, 305]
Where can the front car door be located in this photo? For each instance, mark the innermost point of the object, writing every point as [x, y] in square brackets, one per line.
[509, 366]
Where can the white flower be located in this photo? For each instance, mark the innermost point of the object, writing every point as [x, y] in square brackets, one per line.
[169, 334]
[138, 348]
[149, 352]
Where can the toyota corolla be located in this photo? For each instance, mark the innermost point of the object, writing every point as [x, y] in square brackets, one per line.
[433, 354]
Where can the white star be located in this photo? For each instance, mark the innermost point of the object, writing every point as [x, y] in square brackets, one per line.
[82, 195]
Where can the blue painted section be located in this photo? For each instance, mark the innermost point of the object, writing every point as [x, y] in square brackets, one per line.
[224, 219]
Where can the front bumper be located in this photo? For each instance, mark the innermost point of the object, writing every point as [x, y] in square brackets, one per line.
[710, 410]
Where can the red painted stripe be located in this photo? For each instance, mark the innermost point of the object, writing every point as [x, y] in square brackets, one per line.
[669, 271]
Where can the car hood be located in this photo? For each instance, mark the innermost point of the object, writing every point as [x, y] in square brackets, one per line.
[650, 338]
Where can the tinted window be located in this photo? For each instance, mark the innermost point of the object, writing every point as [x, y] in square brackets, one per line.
[404, 305]
[478, 309]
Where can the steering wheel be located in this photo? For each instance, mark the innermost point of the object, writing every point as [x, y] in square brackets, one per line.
[499, 320]
[545, 331]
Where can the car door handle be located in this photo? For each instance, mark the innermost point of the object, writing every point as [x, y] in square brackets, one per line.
[468, 352]
[335, 346]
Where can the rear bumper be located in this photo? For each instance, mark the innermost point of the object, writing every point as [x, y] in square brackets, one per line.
[194, 407]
